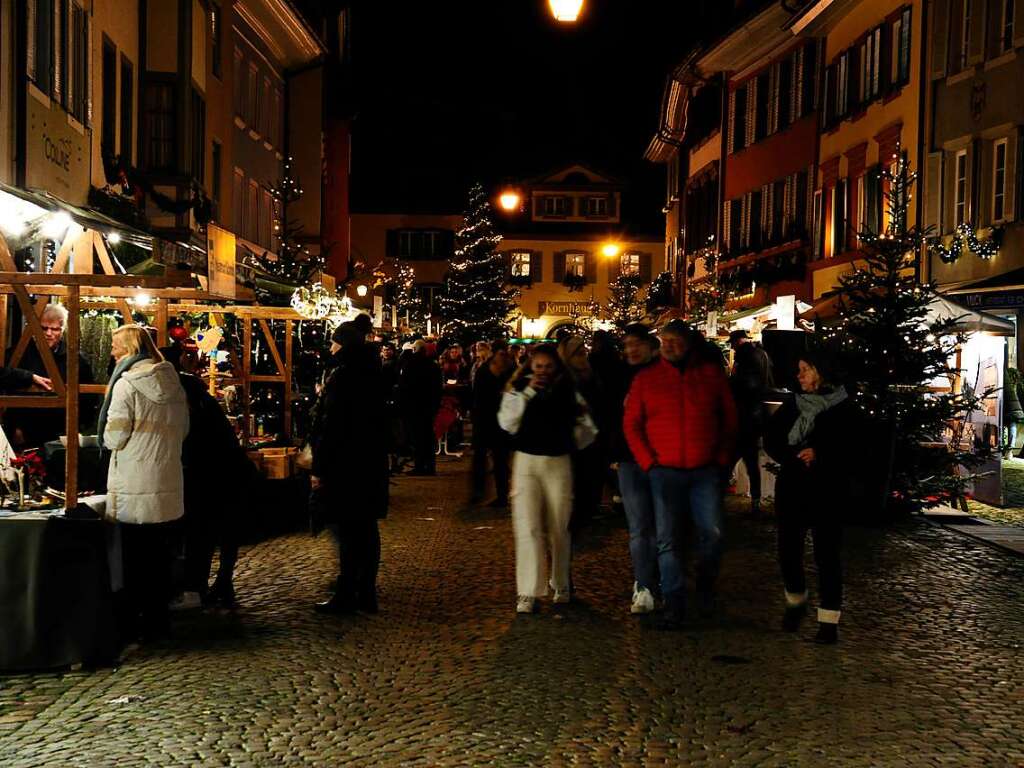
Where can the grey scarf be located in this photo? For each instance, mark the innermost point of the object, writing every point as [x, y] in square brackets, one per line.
[120, 368]
[810, 406]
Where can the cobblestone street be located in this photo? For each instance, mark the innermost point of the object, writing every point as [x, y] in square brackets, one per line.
[929, 670]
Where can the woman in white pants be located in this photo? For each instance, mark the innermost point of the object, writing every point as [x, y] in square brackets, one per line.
[548, 420]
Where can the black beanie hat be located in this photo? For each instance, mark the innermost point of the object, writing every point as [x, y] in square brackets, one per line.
[348, 333]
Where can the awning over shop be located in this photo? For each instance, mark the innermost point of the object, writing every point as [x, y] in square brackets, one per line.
[26, 215]
[941, 308]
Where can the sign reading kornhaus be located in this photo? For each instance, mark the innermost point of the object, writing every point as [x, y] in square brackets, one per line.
[567, 308]
[56, 153]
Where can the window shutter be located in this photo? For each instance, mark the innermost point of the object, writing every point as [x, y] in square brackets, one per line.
[87, 70]
[1018, 23]
[559, 267]
[751, 112]
[1013, 155]
[506, 258]
[645, 267]
[727, 243]
[614, 269]
[30, 42]
[976, 46]
[731, 141]
[796, 86]
[933, 192]
[611, 205]
[538, 206]
[391, 244]
[536, 266]
[787, 205]
[590, 267]
[873, 199]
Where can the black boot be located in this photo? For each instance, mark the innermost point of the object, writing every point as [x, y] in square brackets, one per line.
[338, 606]
[673, 618]
[755, 507]
[793, 617]
[828, 634]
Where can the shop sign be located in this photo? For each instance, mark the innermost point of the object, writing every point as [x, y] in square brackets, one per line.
[220, 252]
[1010, 299]
[564, 308]
[56, 155]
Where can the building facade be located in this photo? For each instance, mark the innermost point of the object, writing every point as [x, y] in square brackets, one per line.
[567, 242]
[871, 99]
[973, 174]
[167, 116]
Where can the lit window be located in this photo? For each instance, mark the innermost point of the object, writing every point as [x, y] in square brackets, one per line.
[597, 206]
[960, 200]
[999, 181]
[575, 265]
[521, 264]
[630, 264]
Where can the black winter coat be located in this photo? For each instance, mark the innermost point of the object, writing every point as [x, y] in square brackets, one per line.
[350, 447]
[487, 391]
[419, 387]
[826, 486]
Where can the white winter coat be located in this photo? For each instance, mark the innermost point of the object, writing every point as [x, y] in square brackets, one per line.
[146, 424]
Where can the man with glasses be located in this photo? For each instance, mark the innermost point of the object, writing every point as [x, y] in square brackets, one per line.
[31, 428]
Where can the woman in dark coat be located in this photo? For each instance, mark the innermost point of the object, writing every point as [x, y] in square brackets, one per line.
[350, 470]
[811, 439]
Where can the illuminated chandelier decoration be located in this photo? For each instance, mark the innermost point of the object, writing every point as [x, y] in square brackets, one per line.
[965, 235]
[317, 303]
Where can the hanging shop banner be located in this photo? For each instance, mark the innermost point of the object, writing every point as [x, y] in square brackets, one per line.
[1008, 299]
[982, 363]
[220, 250]
[56, 152]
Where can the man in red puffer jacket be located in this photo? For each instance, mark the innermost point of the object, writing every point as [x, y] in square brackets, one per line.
[680, 423]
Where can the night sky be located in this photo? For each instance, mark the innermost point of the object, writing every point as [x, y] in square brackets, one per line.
[496, 90]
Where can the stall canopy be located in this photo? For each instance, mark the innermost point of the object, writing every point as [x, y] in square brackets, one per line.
[941, 308]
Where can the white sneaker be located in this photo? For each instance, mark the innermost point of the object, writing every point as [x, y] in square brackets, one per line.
[643, 600]
[526, 604]
[186, 601]
[561, 596]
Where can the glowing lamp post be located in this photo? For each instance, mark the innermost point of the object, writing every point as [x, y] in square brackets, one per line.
[566, 11]
[361, 290]
[610, 250]
[509, 201]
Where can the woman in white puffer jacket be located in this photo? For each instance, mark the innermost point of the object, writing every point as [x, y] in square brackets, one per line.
[143, 423]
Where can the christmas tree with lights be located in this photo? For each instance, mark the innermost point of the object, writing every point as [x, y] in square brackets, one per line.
[476, 303]
[293, 264]
[897, 355]
[624, 303]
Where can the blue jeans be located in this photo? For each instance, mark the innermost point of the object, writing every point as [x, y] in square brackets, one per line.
[676, 492]
[635, 486]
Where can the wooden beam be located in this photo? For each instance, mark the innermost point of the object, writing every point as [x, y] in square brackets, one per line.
[92, 389]
[267, 379]
[13, 277]
[246, 378]
[160, 320]
[72, 396]
[30, 401]
[272, 344]
[26, 335]
[60, 261]
[5, 307]
[27, 309]
[288, 325]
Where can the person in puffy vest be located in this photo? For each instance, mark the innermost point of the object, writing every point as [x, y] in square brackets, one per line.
[548, 420]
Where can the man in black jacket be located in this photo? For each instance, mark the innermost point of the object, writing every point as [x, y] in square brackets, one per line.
[419, 388]
[488, 386]
[350, 470]
[33, 427]
[751, 378]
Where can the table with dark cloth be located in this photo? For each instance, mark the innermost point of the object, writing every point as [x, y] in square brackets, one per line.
[56, 597]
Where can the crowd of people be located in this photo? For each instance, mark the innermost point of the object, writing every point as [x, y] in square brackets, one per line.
[652, 422]
[563, 426]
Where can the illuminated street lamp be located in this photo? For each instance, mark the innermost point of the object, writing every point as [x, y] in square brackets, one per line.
[509, 200]
[361, 290]
[610, 249]
[566, 11]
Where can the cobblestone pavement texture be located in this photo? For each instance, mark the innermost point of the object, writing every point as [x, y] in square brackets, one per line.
[929, 670]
